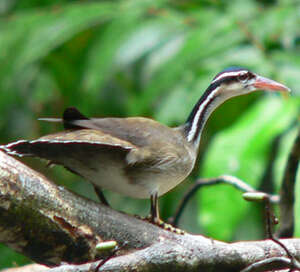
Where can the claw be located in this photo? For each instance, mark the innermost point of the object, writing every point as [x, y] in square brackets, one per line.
[158, 222]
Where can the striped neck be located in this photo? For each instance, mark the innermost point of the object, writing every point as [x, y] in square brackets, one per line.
[209, 101]
[233, 81]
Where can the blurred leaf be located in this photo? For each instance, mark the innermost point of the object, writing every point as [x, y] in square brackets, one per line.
[9, 258]
[286, 144]
[198, 45]
[171, 109]
[125, 41]
[28, 36]
[240, 151]
[279, 24]
[146, 37]
[290, 69]
[6, 5]
[102, 53]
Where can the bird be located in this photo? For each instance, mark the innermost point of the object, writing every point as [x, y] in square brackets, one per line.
[136, 156]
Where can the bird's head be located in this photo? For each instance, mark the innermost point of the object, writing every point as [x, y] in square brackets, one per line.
[230, 82]
[235, 81]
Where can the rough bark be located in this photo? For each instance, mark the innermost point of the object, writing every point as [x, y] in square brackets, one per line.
[52, 225]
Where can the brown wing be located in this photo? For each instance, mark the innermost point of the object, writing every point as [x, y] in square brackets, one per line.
[141, 137]
[78, 143]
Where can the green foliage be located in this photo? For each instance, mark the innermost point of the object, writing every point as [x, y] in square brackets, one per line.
[155, 58]
[244, 157]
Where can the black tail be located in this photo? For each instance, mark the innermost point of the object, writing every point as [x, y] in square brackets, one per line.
[70, 115]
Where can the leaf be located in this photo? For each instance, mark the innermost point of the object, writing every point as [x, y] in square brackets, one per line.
[127, 39]
[28, 36]
[194, 45]
[289, 69]
[101, 56]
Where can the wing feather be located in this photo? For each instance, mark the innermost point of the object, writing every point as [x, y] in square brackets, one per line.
[54, 145]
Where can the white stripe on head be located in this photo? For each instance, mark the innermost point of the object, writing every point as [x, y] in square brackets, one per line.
[229, 74]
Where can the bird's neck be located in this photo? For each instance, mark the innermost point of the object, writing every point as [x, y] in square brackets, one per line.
[208, 102]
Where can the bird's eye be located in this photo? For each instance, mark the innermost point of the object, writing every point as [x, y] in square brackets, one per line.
[243, 77]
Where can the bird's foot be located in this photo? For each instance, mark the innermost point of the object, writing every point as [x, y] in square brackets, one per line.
[160, 223]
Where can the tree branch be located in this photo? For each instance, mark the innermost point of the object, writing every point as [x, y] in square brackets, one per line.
[271, 264]
[51, 225]
[224, 179]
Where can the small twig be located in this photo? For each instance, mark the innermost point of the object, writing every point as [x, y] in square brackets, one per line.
[271, 264]
[103, 261]
[271, 220]
[265, 198]
[287, 192]
[224, 179]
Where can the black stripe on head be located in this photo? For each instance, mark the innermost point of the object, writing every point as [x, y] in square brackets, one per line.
[232, 74]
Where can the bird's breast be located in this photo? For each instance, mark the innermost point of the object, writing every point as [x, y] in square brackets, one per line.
[163, 170]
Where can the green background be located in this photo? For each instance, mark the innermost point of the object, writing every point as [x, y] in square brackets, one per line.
[155, 59]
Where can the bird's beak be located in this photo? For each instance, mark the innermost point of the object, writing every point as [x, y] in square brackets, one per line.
[265, 84]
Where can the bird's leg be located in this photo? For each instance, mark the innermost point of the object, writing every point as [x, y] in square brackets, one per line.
[155, 219]
[154, 210]
[101, 196]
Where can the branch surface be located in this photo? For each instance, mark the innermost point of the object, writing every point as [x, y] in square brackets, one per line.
[51, 225]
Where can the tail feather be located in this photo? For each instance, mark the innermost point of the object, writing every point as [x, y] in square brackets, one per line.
[37, 148]
[70, 116]
[20, 148]
[54, 120]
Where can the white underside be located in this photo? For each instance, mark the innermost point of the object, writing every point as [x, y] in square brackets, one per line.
[112, 179]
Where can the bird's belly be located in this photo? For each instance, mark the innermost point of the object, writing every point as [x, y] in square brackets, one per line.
[114, 180]
[136, 182]
[143, 186]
